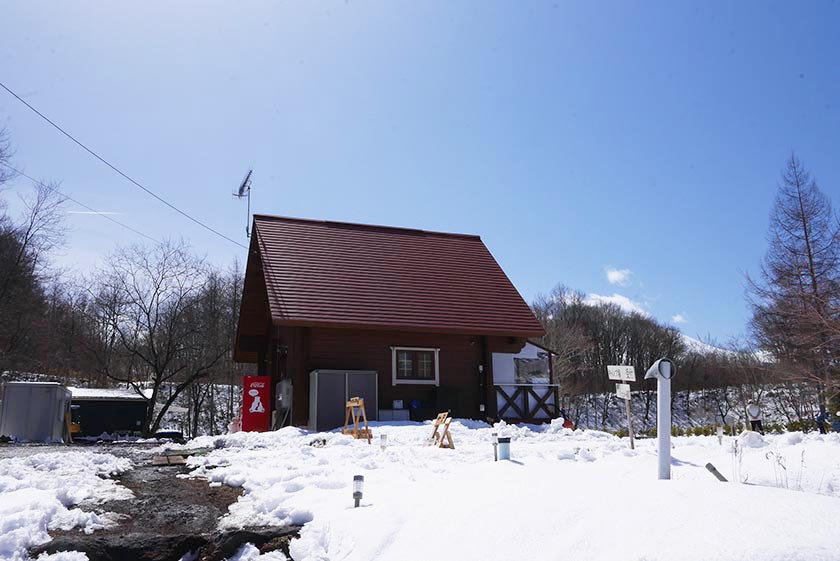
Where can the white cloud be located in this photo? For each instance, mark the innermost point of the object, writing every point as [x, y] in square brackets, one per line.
[679, 318]
[619, 300]
[618, 276]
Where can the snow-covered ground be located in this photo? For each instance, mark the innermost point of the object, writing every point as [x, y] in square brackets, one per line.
[564, 495]
[43, 491]
[580, 495]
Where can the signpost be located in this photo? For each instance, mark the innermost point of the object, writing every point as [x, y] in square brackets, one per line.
[622, 373]
[663, 370]
[622, 391]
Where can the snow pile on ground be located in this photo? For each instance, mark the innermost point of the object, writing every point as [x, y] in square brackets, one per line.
[750, 439]
[249, 552]
[565, 494]
[41, 492]
[63, 556]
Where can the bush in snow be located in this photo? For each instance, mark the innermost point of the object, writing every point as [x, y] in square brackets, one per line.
[803, 426]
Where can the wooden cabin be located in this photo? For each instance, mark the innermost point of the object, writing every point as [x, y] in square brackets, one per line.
[425, 311]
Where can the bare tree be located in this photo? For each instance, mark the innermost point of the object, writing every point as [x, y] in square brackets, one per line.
[24, 246]
[559, 312]
[149, 329]
[589, 337]
[798, 293]
[6, 153]
[216, 312]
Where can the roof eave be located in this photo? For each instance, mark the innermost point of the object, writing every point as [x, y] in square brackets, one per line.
[466, 330]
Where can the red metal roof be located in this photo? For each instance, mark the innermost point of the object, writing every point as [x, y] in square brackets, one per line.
[354, 275]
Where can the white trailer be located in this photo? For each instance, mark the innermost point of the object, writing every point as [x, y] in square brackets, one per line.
[34, 411]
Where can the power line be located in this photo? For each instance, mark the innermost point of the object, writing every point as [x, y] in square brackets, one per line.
[117, 170]
[81, 204]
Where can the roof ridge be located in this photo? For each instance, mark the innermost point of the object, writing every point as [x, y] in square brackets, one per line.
[365, 226]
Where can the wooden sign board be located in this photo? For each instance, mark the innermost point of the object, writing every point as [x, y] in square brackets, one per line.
[621, 373]
[622, 391]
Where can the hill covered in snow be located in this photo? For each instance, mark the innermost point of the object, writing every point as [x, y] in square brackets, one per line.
[693, 345]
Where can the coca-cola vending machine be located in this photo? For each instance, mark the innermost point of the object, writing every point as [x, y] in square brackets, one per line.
[256, 403]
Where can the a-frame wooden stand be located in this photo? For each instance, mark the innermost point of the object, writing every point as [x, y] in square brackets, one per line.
[442, 439]
[355, 409]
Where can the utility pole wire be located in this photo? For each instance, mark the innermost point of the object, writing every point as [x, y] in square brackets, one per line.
[81, 204]
[117, 170]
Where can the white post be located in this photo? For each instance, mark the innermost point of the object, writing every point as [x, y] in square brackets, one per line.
[663, 371]
[663, 421]
[629, 424]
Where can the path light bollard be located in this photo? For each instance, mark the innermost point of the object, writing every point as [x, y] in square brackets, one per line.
[383, 441]
[663, 370]
[504, 447]
[495, 446]
[358, 487]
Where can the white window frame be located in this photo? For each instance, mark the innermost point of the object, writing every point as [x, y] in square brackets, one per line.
[400, 381]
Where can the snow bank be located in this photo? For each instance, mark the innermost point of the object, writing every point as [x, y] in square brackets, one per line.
[794, 437]
[565, 494]
[249, 552]
[63, 556]
[38, 493]
[750, 439]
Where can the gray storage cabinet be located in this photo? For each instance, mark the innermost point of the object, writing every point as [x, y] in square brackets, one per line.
[34, 411]
[329, 391]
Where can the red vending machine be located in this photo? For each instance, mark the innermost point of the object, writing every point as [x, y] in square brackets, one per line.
[256, 403]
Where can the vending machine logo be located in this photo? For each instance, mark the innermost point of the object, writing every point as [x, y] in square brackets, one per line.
[256, 403]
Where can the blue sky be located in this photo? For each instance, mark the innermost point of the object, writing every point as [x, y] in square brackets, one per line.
[575, 138]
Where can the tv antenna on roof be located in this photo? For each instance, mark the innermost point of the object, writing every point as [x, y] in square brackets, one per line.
[244, 191]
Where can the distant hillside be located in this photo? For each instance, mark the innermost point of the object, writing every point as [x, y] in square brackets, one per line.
[699, 347]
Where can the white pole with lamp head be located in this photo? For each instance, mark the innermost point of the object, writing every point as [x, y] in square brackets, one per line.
[358, 488]
[663, 370]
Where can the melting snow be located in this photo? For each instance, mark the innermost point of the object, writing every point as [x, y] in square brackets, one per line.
[580, 495]
[41, 492]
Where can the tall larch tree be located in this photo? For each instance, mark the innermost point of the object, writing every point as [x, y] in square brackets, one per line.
[796, 295]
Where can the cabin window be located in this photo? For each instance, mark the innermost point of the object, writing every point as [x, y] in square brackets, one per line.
[532, 370]
[415, 365]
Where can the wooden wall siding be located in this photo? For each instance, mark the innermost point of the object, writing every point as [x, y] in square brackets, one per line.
[296, 351]
[254, 314]
[460, 356]
[487, 381]
[290, 350]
